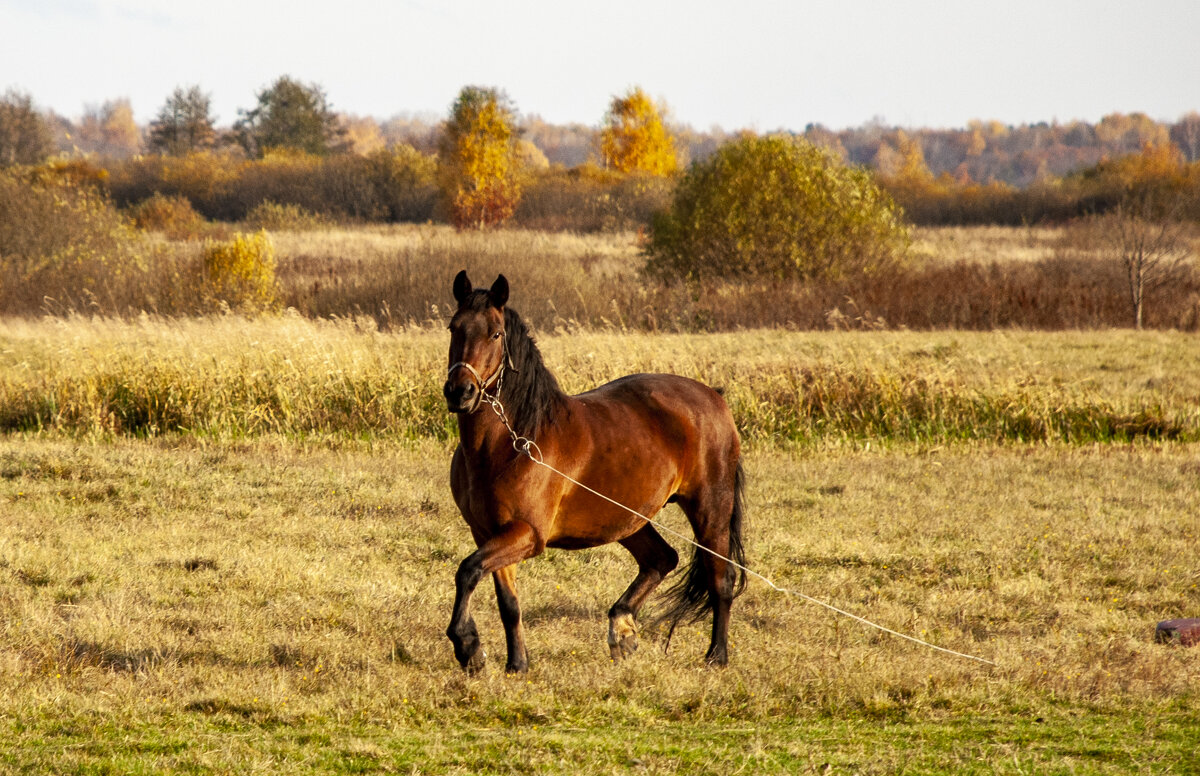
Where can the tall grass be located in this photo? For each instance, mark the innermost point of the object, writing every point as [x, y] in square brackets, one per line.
[235, 377]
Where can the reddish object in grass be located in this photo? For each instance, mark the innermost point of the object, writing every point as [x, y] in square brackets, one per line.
[1182, 632]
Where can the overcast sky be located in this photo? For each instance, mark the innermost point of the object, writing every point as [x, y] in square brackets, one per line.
[737, 64]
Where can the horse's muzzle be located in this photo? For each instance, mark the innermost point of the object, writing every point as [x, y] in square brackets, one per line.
[461, 396]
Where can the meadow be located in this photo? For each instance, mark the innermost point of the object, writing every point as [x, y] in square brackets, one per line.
[227, 544]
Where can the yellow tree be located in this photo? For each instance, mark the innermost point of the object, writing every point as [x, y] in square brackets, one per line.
[478, 160]
[634, 139]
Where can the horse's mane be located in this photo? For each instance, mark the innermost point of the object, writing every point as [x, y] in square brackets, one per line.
[530, 393]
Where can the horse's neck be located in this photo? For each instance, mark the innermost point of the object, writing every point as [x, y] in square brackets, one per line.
[483, 435]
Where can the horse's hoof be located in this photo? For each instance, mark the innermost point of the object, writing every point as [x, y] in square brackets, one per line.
[622, 636]
[475, 663]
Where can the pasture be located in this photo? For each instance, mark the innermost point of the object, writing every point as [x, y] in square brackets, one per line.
[229, 546]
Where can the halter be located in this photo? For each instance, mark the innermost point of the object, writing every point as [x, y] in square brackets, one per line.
[497, 376]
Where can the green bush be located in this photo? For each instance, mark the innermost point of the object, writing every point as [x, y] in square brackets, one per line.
[775, 207]
[241, 273]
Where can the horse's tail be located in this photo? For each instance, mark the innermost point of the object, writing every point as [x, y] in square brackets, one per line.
[692, 597]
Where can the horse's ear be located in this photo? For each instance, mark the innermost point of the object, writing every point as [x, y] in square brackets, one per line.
[498, 293]
[462, 286]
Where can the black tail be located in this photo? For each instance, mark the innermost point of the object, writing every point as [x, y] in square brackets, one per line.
[690, 598]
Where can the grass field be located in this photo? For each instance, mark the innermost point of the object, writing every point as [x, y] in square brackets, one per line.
[271, 605]
[229, 546]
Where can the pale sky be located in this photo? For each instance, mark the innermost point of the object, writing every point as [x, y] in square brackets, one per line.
[737, 64]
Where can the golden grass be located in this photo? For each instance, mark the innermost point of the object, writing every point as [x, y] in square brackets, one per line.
[232, 376]
[268, 606]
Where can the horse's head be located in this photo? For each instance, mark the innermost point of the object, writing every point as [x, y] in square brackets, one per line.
[477, 346]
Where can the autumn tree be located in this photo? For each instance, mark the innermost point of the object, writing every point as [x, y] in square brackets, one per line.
[24, 134]
[110, 129]
[290, 115]
[184, 123]
[634, 138]
[478, 162]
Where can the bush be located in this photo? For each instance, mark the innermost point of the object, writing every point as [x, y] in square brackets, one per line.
[63, 245]
[273, 216]
[775, 207]
[241, 273]
[588, 199]
[172, 215]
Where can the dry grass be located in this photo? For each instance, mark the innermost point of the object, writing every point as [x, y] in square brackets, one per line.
[268, 606]
[268, 592]
[959, 278]
[230, 376]
[986, 244]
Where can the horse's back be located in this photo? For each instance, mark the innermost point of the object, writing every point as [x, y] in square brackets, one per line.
[660, 414]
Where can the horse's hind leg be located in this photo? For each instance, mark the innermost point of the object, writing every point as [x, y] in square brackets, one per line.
[655, 559]
[716, 518]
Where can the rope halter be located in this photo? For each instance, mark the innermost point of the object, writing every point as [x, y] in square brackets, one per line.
[480, 383]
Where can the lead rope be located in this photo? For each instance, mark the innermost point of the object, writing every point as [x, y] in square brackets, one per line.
[526, 446]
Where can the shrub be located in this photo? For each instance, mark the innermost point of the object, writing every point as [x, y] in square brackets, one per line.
[211, 181]
[775, 207]
[588, 199]
[63, 244]
[172, 215]
[241, 273]
[274, 216]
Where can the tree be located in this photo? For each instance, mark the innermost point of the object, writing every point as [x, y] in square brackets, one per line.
[634, 139]
[775, 207]
[293, 116]
[184, 123]
[1186, 134]
[110, 130]
[24, 134]
[1150, 242]
[478, 162]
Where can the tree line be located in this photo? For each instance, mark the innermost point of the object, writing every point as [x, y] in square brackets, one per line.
[295, 113]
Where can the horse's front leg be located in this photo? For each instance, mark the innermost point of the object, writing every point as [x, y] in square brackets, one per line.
[515, 542]
[510, 615]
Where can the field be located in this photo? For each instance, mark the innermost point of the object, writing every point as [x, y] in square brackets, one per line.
[228, 544]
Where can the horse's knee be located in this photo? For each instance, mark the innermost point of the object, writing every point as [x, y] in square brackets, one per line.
[470, 571]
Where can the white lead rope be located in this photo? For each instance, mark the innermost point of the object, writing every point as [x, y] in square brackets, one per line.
[526, 446]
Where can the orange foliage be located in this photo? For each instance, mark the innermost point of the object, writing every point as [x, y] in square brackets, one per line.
[634, 138]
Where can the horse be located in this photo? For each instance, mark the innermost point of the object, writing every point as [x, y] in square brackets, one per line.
[643, 440]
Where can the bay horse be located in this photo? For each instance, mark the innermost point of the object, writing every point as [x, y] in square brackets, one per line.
[644, 440]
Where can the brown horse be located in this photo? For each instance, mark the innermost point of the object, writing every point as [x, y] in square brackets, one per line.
[644, 440]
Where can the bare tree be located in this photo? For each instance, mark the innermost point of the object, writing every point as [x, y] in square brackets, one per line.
[1186, 134]
[1152, 244]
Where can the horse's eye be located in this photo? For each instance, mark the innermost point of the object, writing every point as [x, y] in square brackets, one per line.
[497, 335]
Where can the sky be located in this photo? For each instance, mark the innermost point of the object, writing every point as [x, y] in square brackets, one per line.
[735, 64]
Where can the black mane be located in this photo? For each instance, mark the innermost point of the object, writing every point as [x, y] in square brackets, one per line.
[530, 393]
